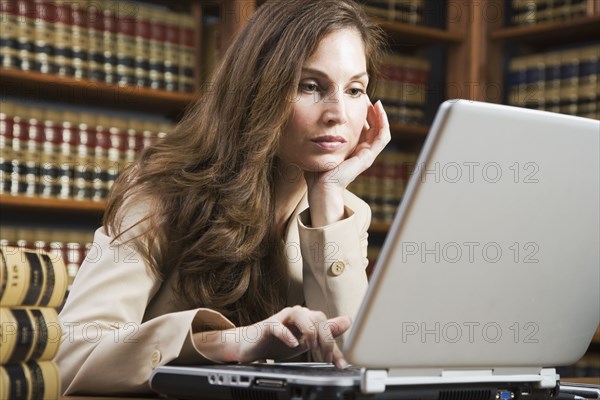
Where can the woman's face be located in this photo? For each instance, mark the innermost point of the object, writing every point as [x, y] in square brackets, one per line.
[330, 109]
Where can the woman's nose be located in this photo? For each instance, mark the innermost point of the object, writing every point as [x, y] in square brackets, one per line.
[334, 110]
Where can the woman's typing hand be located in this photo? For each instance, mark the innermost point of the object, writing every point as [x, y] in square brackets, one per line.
[290, 332]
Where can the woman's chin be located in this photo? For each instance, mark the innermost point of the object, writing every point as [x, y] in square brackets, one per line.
[323, 164]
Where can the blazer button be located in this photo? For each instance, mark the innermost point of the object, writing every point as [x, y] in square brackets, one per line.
[338, 267]
[155, 358]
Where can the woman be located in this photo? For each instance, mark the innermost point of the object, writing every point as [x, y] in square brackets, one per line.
[234, 239]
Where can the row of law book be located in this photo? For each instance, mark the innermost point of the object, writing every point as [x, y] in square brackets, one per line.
[407, 11]
[32, 285]
[403, 88]
[565, 81]
[382, 185]
[72, 246]
[117, 42]
[526, 12]
[51, 153]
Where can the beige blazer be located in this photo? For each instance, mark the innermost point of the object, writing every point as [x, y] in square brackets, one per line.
[119, 322]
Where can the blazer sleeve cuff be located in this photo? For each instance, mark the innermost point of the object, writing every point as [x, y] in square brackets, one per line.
[204, 320]
[340, 241]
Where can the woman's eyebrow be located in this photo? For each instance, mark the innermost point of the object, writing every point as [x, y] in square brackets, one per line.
[324, 75]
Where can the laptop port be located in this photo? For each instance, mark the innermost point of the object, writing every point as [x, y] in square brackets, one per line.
[505, 395]
[269, 382]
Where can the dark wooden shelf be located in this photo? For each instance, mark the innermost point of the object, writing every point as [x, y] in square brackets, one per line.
[552, 33]
[410, 34]
[91, 93]
[42, 204]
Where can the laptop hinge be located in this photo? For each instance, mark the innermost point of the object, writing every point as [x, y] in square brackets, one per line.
[375, 380]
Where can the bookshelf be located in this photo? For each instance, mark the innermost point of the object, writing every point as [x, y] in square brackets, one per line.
[580, 29]
[36, 204]
[411, 34]
[48, 87]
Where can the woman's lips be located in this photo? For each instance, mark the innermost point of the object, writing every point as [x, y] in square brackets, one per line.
[329, 142]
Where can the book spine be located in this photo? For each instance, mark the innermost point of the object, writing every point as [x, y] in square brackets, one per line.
[117, 150]
[29, 334]
[101, 161]
[63, 54]
[125, 55]
[569, 81]
[552, 81]
[30, 278]
[134, 141]
[31, 381]
[33, 149]
[171, 51]
[156, 51]
[49, 173]
[109, 25]
[80, 39]
[84, 171]
[535, 81]
[544, 10]
[6, 149]
[45, 13]
[26, 34]
[187, 52]
[589, 82]
[19, 132]
[95, 41]
[142, 47]
[9, 35]
[387, 186]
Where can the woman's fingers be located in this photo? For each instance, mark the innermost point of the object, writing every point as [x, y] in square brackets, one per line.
[318, 332]
[283, 333]
[384, 134]
[338, 358]
[339, 325]
[306, 324]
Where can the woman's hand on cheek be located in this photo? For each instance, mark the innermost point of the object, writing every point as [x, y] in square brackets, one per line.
[375, 136]
[325, 189]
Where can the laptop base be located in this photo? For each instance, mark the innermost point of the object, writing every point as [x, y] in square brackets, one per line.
[259, 382]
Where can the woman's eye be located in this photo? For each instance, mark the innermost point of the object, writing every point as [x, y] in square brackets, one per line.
[356, 92]
[309, 87]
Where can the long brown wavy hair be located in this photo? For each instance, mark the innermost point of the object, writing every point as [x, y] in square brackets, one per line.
[210, 181]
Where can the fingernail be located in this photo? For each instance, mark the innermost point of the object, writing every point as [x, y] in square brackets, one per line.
[342, 364]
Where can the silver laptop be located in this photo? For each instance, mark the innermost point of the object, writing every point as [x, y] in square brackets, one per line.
[488, 279]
